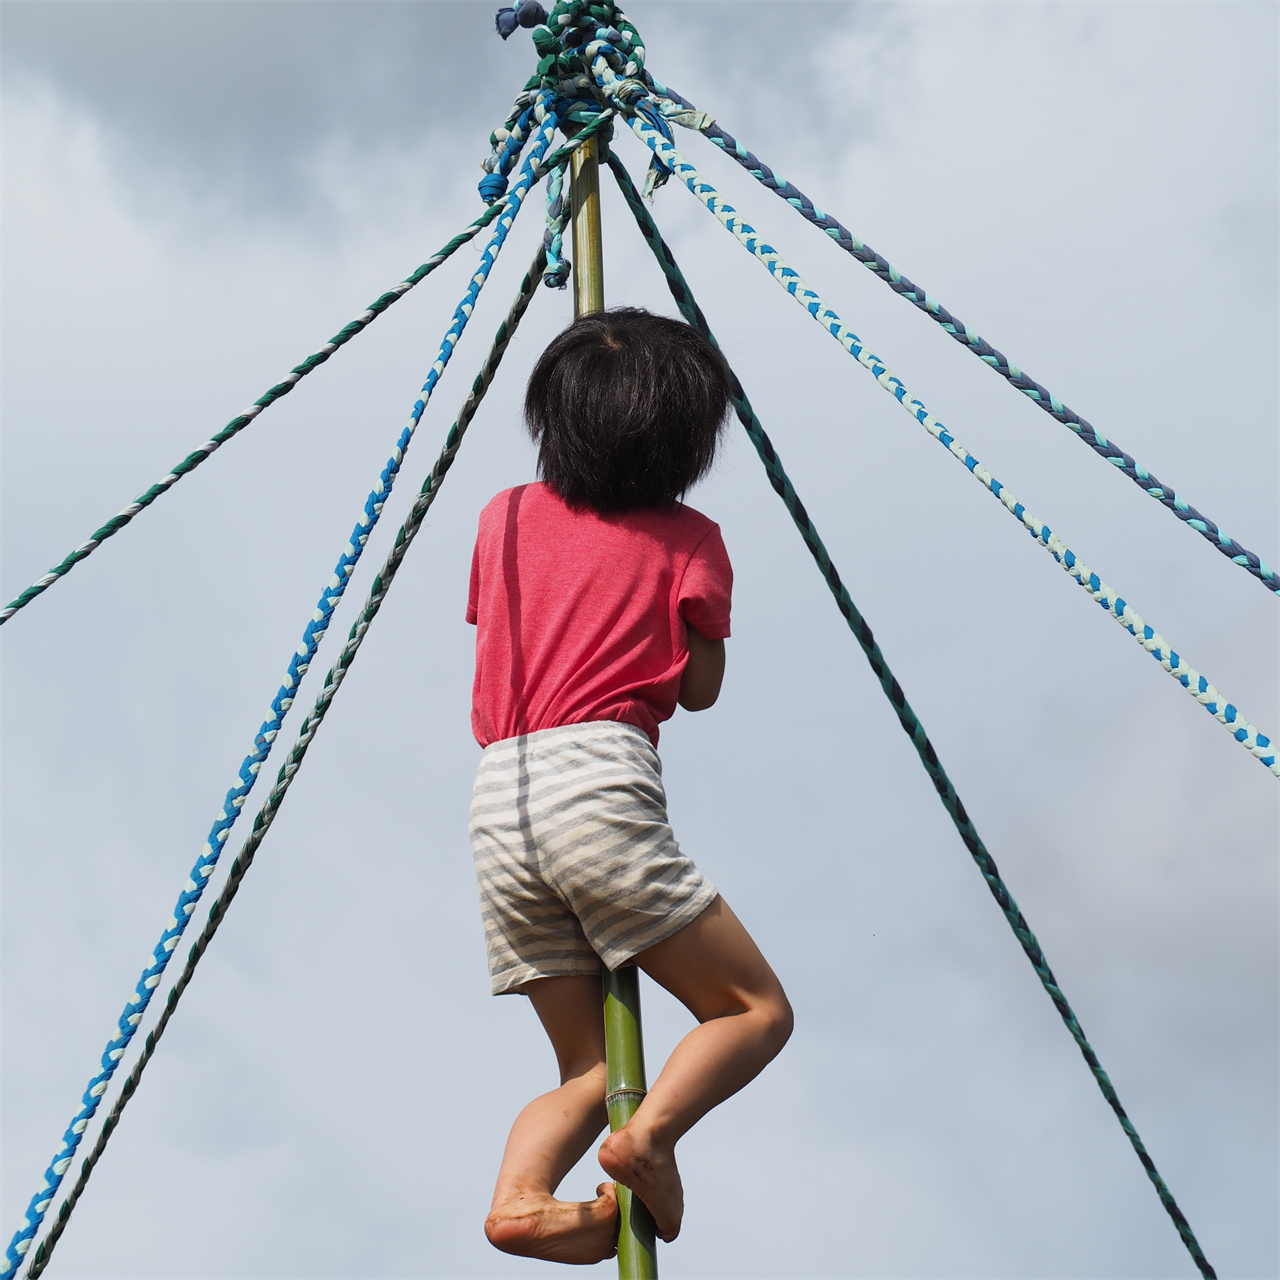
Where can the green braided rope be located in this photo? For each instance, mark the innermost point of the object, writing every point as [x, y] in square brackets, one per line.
[561, 154]
[242, 420]
[906, 716]
[266, 815]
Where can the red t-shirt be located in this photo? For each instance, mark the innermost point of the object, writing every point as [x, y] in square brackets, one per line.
[581, 616]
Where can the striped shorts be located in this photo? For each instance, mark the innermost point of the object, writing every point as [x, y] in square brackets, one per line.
[574, 855]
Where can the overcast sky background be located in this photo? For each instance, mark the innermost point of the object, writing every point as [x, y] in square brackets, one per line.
[198, 195]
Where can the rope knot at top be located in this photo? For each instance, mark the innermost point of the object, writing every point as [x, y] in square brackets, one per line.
[590, 67]
[574, 25]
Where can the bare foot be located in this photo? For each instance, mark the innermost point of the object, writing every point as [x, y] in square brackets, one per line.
[650, 1171]
[532, 1224]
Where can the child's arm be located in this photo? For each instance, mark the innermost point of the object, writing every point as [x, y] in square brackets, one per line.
[700, 683]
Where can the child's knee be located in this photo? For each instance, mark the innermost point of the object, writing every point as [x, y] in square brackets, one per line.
[781, 1020]
[773, 1017]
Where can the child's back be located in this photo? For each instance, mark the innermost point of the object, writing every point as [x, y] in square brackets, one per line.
[584, 616]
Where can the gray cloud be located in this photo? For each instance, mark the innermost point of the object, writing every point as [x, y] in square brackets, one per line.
[234, 100]
[235, 103]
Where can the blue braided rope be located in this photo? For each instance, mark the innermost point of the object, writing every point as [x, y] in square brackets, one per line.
[507, 142]
[242, 420]
[651, 132]
[1015, 376]
[236, 796]
[907, 717]
[241, 863]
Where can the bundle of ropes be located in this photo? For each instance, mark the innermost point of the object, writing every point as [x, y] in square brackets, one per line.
[591, 76]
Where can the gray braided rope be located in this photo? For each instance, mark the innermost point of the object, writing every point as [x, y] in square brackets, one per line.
[242, 420]
[284, 779]
[980, 347]
[906, 716]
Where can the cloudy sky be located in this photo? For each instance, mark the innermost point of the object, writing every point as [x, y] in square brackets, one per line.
[199, 194]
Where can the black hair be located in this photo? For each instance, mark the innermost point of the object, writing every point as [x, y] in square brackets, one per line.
[626, 409]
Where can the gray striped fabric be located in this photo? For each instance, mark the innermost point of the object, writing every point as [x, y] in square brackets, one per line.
[574, 855]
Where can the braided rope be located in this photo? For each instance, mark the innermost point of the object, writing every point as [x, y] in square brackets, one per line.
[961, 332]
[507, 141]
[573, 24]
[563, 42]
[556, 273]
[1248, 735]
[599, 124]
[266, 815]
[907, 717]
[564, 71]
[208, 859]
[242, 420]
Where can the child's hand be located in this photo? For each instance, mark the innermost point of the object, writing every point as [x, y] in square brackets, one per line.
[700, 684]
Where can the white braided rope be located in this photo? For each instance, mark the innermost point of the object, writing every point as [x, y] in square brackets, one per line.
[1255, 742]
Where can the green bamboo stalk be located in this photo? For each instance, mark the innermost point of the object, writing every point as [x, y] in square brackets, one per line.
[588, 244]
[624, 1092]
[624, 1046]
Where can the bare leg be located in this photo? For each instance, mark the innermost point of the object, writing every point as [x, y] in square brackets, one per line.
[714, 968]
[551, 1135]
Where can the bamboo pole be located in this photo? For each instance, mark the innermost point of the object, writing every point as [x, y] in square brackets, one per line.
[588, 246]
[624, 1045]
[625, 1090]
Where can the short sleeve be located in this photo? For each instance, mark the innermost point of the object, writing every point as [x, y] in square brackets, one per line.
[706, 588]
[473, 596]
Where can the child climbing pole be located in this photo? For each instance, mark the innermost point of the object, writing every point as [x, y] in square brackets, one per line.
[601, 602]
